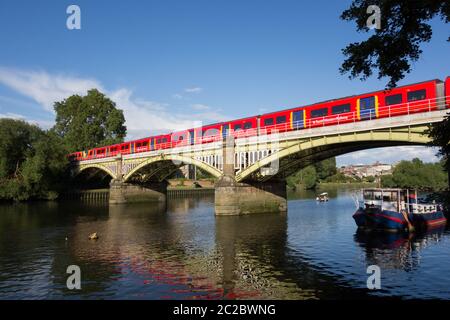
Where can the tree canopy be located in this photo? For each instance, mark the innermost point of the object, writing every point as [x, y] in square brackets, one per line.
[440, 135]
[418, 175]
[89, 121]
[33, 162]
[393, 47]
[311, 175]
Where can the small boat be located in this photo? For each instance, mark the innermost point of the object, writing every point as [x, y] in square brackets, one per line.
[397, 210]
[322, 197]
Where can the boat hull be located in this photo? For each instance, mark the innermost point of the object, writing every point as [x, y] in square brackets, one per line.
[373, 218]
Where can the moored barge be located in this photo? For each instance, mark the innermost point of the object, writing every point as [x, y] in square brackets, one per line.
[397, 210]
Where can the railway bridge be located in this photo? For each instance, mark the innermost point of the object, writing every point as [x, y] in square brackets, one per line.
[251, 171]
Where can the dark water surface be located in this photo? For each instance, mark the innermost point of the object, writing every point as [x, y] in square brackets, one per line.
[185, 252]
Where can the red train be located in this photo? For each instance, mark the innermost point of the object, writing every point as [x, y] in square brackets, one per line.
[420, 97]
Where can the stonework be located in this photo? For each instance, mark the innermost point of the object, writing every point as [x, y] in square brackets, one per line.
[121, 192]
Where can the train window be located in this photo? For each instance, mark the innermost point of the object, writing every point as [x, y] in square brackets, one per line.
[138, 145]
[211, 132]
[237, 127]
[145, 143]
[268, 122]
[158, 140]
[319, 113]
[247, 125]
[343, 108]
[163, 140]
[281, 119]
[393, 99]
[367, 103]
[180, 138]
[417, 95]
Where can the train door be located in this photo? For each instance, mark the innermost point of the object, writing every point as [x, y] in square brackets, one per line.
[132, 147]
[191, 137]
[367, 108]
[225, 129]
[298, 119]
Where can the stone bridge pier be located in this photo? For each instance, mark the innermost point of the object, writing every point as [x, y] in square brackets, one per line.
[239, 198]
[122, 192]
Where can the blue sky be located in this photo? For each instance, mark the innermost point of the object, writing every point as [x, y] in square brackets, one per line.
[173, 64]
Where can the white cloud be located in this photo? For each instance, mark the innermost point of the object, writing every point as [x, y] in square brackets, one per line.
[43, 87]
[143, 117]
[199, 106]
[389, 155]
[193, 90]
[44, 124]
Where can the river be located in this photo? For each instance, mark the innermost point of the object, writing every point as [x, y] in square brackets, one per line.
[146, 251]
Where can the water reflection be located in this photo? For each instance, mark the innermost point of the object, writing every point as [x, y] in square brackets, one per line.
[397, 250]
[182, 251]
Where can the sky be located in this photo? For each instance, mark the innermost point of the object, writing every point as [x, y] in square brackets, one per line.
[174, 64]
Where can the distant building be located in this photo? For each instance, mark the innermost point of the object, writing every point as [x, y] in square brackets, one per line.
[366, 170]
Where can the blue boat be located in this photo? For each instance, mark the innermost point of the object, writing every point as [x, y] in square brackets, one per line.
[397, 210]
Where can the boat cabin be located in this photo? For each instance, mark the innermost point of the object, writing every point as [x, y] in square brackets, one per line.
[396, 200]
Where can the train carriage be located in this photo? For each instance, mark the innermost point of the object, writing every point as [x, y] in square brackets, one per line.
[274, 122]
[420, 97]
[244, 127]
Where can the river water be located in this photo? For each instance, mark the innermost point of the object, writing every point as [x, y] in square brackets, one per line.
[183, 251]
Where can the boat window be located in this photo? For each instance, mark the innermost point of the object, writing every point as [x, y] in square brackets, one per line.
[417, 95]
[247, 125]
[268, 122]
[368, 195]
[367, 103]
[281, 119]
[393, 99]
[341, 108]
[319, 113]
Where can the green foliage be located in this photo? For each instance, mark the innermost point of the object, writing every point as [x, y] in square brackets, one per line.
[307, 178]
[439, 132]
[417, 175]
[391, 49]
[33, 162]
[85, 122]
[311, 175]
[325, 168]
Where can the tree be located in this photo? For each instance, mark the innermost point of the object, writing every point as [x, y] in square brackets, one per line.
[85, 122]
[326, 168]
[417, 175]
[33, 162]
[439, 132]
[392, 49]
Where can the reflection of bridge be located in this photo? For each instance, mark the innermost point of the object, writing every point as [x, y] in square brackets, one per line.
[256, 166]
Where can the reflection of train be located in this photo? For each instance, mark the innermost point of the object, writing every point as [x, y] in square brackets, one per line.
[414, 98]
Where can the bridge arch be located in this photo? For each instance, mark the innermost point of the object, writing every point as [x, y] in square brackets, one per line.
[173, 159]
[96, 166]
[307, 151]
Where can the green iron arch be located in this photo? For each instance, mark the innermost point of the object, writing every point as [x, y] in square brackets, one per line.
[181, 159]
[327, 146]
